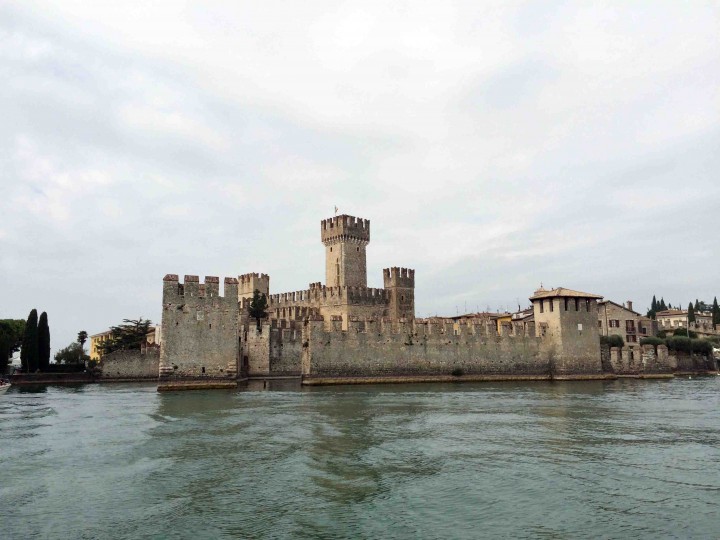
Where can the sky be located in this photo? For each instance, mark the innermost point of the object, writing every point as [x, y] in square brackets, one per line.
[494, 146]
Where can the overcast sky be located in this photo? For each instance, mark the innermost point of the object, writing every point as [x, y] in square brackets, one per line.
[493, 146]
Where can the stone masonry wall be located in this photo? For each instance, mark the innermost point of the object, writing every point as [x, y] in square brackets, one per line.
[643, 360]
[276, 351]
[200, 328]
[420, 348]
[131, 364]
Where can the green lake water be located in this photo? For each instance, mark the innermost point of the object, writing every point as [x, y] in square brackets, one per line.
[604, 459]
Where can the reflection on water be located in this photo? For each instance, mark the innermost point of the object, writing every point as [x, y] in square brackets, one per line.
[610, 459]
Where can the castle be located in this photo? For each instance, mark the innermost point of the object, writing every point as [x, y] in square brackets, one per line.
[344, 330]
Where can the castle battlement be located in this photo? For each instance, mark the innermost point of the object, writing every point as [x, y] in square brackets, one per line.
[386, 326]
[250, 282]
[399, 277]
[321, 295]
[345, 228]
[193, 291]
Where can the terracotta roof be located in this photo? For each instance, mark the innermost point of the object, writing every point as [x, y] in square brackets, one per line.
[671, 312]
[561, 291]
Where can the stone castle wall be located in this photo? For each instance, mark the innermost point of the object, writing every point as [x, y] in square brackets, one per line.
[383, 348]
[133, 364]
[200, 328]
[640, 360]
[276, 350]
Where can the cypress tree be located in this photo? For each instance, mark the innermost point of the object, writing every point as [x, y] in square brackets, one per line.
[662, 305]
[43, 342]
[654, 304]
[716, 313]
[29, 353]
[697, 305]
[691, 313]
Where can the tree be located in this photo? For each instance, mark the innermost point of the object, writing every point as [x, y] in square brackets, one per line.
[716, 313]
[127, 336]
[11, 334]
[257, 307]
[662, 306]
[691, 313]
[82, 337]
[29, 351]
[43, 342]
[72, 354]
[696, 307]
[652, 312]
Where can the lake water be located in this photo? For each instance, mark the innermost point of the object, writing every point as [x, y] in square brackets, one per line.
[611, 459]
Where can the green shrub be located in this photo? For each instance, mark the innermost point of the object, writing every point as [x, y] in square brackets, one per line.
[679, 344]
[612, 341]
[662, 334]
[689, 345]
[684, 332]
[702, 346]
[652, 341]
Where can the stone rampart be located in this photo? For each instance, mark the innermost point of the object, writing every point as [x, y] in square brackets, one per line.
[200, 328]
[645, 359]
[131, 364]
[373, 348]
[275, 351]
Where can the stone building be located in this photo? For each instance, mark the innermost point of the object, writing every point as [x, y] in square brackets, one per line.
[672, 319]
[345, 293]
[210, 336]
[343, 329]
[620, 320]
[567, 322]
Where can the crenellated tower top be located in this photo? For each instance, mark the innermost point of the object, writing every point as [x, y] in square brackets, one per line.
[345, 238]
[344, 228]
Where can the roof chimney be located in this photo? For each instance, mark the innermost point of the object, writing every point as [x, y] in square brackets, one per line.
[629, 305]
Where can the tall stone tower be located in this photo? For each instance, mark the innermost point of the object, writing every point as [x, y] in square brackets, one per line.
[345, 238]
[401, 284]
[566, 320]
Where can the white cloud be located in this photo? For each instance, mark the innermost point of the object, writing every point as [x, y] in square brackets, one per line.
[492, 144]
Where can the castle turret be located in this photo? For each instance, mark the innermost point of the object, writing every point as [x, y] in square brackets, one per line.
[401, 284]
[249, 282]
[345, 238]
[566, 320]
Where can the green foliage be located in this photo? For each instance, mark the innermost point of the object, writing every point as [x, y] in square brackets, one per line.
[11, 334]
[258, 306]
[662, 306]
[82, 337]
[29, 351]
[612, 341]
[716, 313]
[127, 336]
[689, 345]
[652, 341]
[691, 313]
[662, 334]
[72, 354]
[702, 346]
[43, 342]
[652, 312]
[679, 343]
[685, 332]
